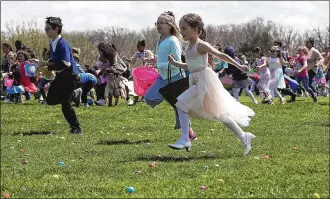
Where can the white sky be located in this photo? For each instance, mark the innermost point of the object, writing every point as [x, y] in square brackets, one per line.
[82, 15]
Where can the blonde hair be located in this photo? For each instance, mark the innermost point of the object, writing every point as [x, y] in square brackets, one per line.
[170, 20]
[76, 50]
[278, 50]
[304, 49]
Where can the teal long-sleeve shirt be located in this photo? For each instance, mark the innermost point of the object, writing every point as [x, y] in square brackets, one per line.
[170, 45]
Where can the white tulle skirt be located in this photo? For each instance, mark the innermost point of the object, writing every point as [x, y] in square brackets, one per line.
[207, 98]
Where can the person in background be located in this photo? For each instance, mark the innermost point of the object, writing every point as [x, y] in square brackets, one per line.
[240, 78]
[14, 73]
[28, 83]
[263, 70]
[243, 59]
[45, 54]
[109, 60]
[18, 45]
[326, 66]
[6, 49]
[88, 81]
[326, 57]
[302, 72]
[314, 60]
[219, 65]
[140, 58]
[46, 78]
[4, 68]
[284, 53]
[100, 87]
[286, 90]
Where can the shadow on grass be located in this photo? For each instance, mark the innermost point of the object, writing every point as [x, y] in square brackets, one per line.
[173, 159]
[324, 103]
[121, 142]
[34, 133]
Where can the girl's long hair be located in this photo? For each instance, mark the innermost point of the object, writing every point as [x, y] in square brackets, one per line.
[170, 19]
[109, 52]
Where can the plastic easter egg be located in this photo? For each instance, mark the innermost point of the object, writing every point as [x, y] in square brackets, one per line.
[203, 188]
[60, 163]
[130, 189]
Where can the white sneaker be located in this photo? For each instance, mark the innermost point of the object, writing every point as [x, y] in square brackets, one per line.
[282, 100]
[100, 102]
[179, 146]
[255, 101]
[247, 145]
[306, 94]
[130, 102]
[6, 100]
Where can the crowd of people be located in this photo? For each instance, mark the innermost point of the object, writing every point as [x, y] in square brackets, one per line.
[217, 76]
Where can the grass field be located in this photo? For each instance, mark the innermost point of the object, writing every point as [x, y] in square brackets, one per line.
[102, 162]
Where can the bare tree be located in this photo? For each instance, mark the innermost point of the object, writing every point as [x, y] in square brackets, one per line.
[243, 37]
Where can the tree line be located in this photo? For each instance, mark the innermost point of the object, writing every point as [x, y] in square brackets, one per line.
[243, 37]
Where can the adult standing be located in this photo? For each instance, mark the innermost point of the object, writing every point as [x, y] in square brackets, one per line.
[314, 60]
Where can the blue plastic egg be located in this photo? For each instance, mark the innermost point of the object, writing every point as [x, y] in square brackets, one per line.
[90, 102]
[60, 163]
[130, 189]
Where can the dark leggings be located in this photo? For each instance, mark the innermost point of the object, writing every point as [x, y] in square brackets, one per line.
[287, 91]
[100, 91]
[311, 75]
[85, 89]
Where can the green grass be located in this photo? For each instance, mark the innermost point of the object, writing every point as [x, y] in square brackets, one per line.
[102, 162]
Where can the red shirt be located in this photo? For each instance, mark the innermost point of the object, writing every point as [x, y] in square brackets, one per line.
[300, 62]
[25, 81]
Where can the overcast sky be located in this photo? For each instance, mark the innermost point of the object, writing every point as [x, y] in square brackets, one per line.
[82, 15]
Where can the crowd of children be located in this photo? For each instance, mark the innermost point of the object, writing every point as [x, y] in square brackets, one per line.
[101, 83]
[58, 77]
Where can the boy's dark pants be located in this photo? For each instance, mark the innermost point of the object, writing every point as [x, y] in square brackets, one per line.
[60, 92]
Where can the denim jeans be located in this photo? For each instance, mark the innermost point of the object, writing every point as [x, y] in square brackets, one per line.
[305, 81]
[153, 97]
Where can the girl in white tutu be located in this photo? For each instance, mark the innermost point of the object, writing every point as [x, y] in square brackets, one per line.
[206, 96]
[275, 62]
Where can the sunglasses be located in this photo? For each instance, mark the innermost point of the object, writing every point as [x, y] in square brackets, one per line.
[160, 23]
[54, 20]
[273, 51]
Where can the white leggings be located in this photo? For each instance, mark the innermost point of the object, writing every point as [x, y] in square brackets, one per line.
[228, 121]
[246, 90]
[275, 91]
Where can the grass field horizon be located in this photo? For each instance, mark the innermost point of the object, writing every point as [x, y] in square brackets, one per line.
[120, 140]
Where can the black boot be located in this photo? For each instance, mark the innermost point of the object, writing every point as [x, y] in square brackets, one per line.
[76, 130]
[116, 101]
[293, 99]
[136, 99]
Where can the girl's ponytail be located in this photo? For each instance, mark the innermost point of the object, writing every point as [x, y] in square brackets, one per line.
[202, 34]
